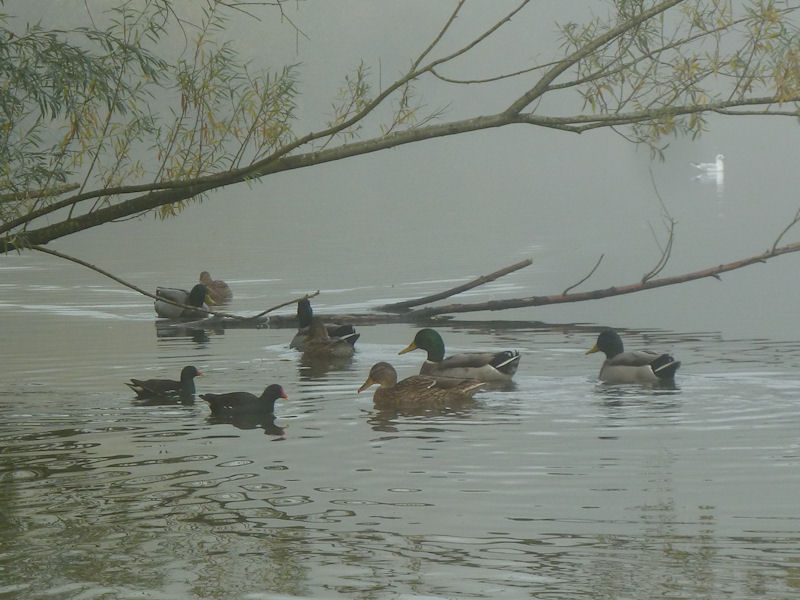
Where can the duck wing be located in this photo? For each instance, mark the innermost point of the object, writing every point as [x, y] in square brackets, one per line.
[639, 366]
[346, 333]
[484, 366]
[233, 402]
[154, 387]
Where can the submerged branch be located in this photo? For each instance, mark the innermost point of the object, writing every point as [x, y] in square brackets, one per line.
[135, 288]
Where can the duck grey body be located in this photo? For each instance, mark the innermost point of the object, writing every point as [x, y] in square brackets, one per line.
[639, 366]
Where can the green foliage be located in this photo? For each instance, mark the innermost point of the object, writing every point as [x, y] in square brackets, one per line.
[706, 52]
[82, 104]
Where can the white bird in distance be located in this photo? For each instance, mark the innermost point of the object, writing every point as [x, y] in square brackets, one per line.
[718, 166]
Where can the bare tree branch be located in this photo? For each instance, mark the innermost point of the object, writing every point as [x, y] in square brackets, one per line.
[426, 313]
[406, 304]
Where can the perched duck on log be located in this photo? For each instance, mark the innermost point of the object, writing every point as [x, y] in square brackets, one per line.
[197, 297]
[218, 290]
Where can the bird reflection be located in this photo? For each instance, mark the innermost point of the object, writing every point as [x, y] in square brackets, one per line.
[265, 421]
[171, 329]
[165, 401]
[660, 396]
[317, 367]
[717, 178]
[387, 418]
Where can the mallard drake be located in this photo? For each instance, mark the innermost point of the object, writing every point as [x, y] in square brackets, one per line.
[318, 344]
[244, 403]
[152, 388]
[640, 366]
[198, 296]
[483, 366]
[218, 290]
[304, 317]
[416, 391]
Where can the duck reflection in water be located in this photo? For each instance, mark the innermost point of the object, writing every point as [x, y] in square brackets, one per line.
[200, 335]
[265, 422]
[244, 410]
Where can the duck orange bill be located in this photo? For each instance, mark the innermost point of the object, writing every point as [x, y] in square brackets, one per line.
[366, 384]
[593, 350]
[409, 348]
[209, 300]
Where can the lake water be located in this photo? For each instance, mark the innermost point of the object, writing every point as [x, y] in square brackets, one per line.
[557, 488]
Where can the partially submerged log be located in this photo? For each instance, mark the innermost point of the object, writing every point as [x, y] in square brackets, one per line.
[402, 312]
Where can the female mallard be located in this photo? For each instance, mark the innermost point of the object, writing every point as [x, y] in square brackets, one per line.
[417, 391]
[304, 317]
[640, 366]
[245, 403]
[483, 366]
[218, 290]
[318, 344]
[155, 388]
[198, 297]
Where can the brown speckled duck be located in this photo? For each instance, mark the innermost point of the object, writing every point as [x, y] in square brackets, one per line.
[417, 391]
[218, 290]
[305, 315]
[318, 344]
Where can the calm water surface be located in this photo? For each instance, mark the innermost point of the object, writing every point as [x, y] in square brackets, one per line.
[557, 488]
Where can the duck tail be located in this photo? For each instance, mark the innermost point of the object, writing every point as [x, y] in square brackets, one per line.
[346, 332]
[665, 366]
[506, 361]
[136, 387]
[471, 388]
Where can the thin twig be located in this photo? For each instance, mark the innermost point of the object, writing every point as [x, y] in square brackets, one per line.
[594, 268]
[287, 303]
[666, 250]
[786, 229]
